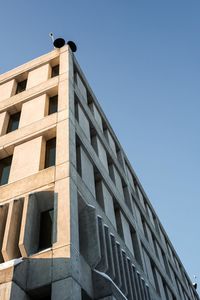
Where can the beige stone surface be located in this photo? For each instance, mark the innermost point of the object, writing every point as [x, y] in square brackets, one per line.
[28, 158]
[38, 75]
[34, 110]
[62, 190]
[7, 89]
[4, 119]
[10, 249]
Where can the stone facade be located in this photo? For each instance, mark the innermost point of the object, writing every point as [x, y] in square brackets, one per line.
[75, 222]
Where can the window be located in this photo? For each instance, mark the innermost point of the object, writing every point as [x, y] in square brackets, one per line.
[53, 104]
[5, 165]
[50, 156]
[55, 71]
[21, 86]
[46, 226]
[13, 122]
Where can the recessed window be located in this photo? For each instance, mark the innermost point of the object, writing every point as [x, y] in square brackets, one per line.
[13, 122]
[21, 86]
[5, 165]
[53, 104]
[50, 157]
[55, 71]
[46, 229]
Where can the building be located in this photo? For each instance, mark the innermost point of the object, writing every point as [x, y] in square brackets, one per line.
[75, 222]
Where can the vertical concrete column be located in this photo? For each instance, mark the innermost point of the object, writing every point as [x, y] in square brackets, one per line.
[138, 218]
[7, 89]
[103, 262]
[126, 233]
[160, 285]
[97, 115]
[101, 152]
[66, 289]
[89, 238]
[111, 267]
[87, 171]
[3, 218]
[39, 105]
[28, 159]
[106, 201]
[116, 261]
[117, 179]
[148, 268]
[141, 198]
[83, 122]
[10, 248]
[66, 81]
[111, 141]
[38, 75]
[4, 119]
[29, 237]
[130, 177]
[81, 87]
[62, 211]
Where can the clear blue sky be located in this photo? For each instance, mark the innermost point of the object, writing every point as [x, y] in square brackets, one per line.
[142, 59]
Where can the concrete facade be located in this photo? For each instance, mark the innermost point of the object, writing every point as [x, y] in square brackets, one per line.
[75, 222]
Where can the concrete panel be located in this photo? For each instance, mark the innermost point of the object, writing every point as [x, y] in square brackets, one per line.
[62, 234]
[117, 179]
[110, 141]
[88, 234]
[7, 89]
[122, 269]
[37, 105]
[148, 268]
[4, 119]
[128, 278]
[111, 270]
[105, 200]
[138, 218]
[27, 159]
[39, 270]
[38, 75]
[17, 293]
[103, 263]
[97, 115]
[29, 238]
[62, 142]
[99, 148]
[5, 291]
[10, 249]
[28, 184]
[160, 285]
[126, 233]
[3, 218]
[87, 171]
[132, 278]
[141, 198]
[81, 87]
[83, 122]
[116, 261]
[130, 177]
[66, 289]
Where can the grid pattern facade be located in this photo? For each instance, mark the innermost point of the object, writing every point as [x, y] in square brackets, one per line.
[75, 221]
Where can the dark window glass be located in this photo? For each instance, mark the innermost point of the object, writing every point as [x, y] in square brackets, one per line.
[21, 86]
[46, 226]
[13, 122]
[5, 165]
[55, 71]
[50, 153]
[53, 104]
